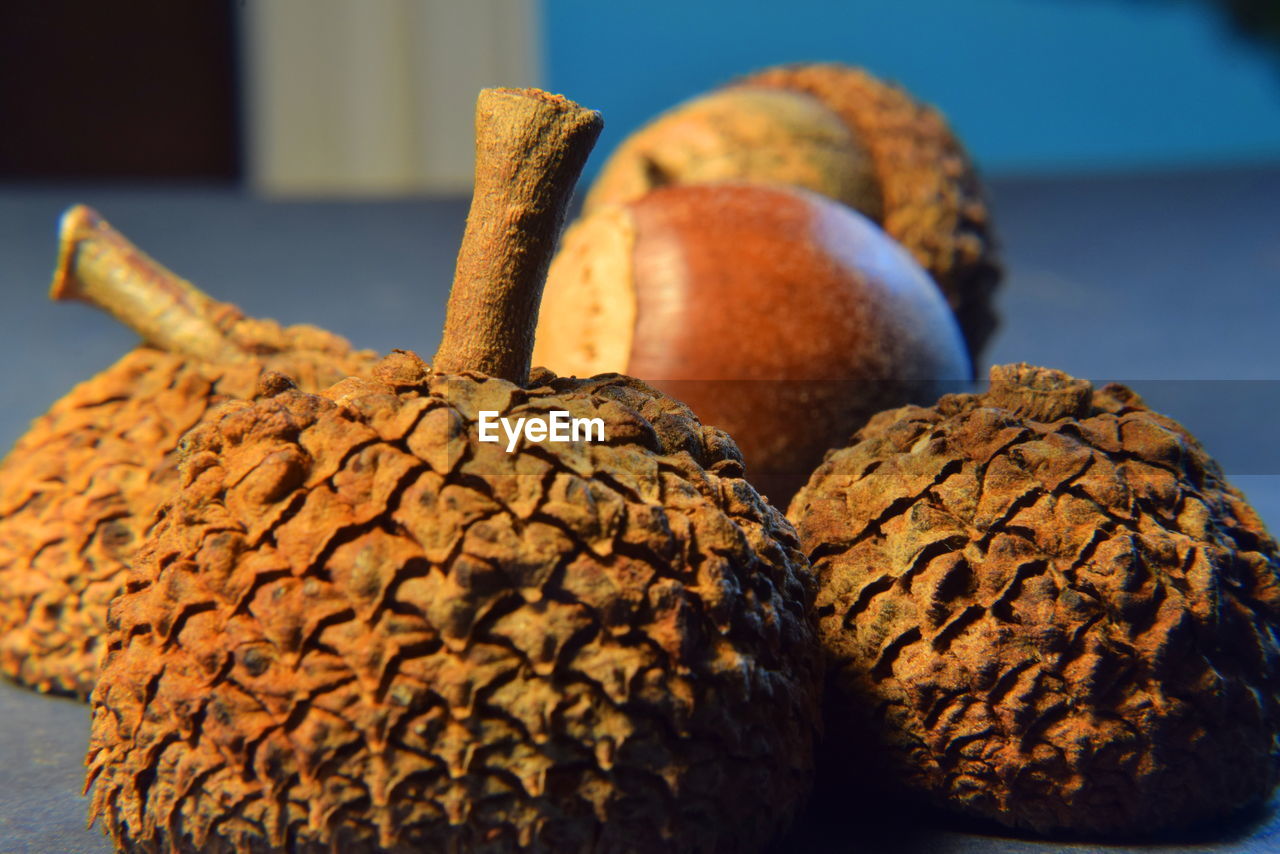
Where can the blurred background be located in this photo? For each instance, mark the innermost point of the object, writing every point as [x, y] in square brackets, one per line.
[310, 160]
[333, 97]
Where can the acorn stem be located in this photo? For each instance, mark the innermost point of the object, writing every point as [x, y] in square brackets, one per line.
[530, 148]
[98, 265]
[1038, 393]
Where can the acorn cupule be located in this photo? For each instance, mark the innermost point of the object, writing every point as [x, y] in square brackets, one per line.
[1044, 605]
[355, 626]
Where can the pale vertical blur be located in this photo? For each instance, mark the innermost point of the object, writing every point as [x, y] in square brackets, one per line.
[369, 99]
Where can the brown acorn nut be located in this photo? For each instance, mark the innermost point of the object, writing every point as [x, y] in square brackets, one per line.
[1048, 608]
[778, 315]
[79, 489]
[841, 132]
[357, 628]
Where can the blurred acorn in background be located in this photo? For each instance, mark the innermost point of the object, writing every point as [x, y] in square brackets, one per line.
[839, 131]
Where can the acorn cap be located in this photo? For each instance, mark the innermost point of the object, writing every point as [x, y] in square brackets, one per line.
[79, 489]
[1044, 605]
[358, 627]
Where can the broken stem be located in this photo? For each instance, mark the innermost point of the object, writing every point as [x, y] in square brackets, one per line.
[530, 149]
[98, 265]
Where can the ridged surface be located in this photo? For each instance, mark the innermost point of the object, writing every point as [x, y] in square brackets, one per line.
[1045, 606]
[79, 490]
[355, 629]
[932, 202]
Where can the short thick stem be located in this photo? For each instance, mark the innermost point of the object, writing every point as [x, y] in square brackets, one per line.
[1042, 394]
[97, 265]
[530, 148]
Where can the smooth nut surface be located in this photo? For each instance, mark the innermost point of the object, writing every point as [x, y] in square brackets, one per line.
[777, 315]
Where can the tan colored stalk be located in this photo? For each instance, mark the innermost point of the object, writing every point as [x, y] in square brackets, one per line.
[530, 149]
[98, 265]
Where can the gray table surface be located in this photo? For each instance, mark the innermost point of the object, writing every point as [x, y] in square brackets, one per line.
[1170, 282]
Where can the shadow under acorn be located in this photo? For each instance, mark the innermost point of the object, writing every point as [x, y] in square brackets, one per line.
[841, 818]
[855, 809]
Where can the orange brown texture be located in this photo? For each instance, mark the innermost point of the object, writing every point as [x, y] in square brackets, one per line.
[79, 489]
[930, 197]
[842, 132]
[357, 629]
[776, 314]
[1050, 608]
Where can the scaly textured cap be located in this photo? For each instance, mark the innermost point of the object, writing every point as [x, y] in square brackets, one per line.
[79, 490]
[1044, 605]
[930, 198]
[356, 629]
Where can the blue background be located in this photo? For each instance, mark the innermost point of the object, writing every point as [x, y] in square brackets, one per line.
[1031, 86]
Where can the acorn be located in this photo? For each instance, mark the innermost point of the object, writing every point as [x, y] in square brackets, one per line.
[79, 489]
[1044, 605]
[838, 131]
[360, 626]
[781, 316]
